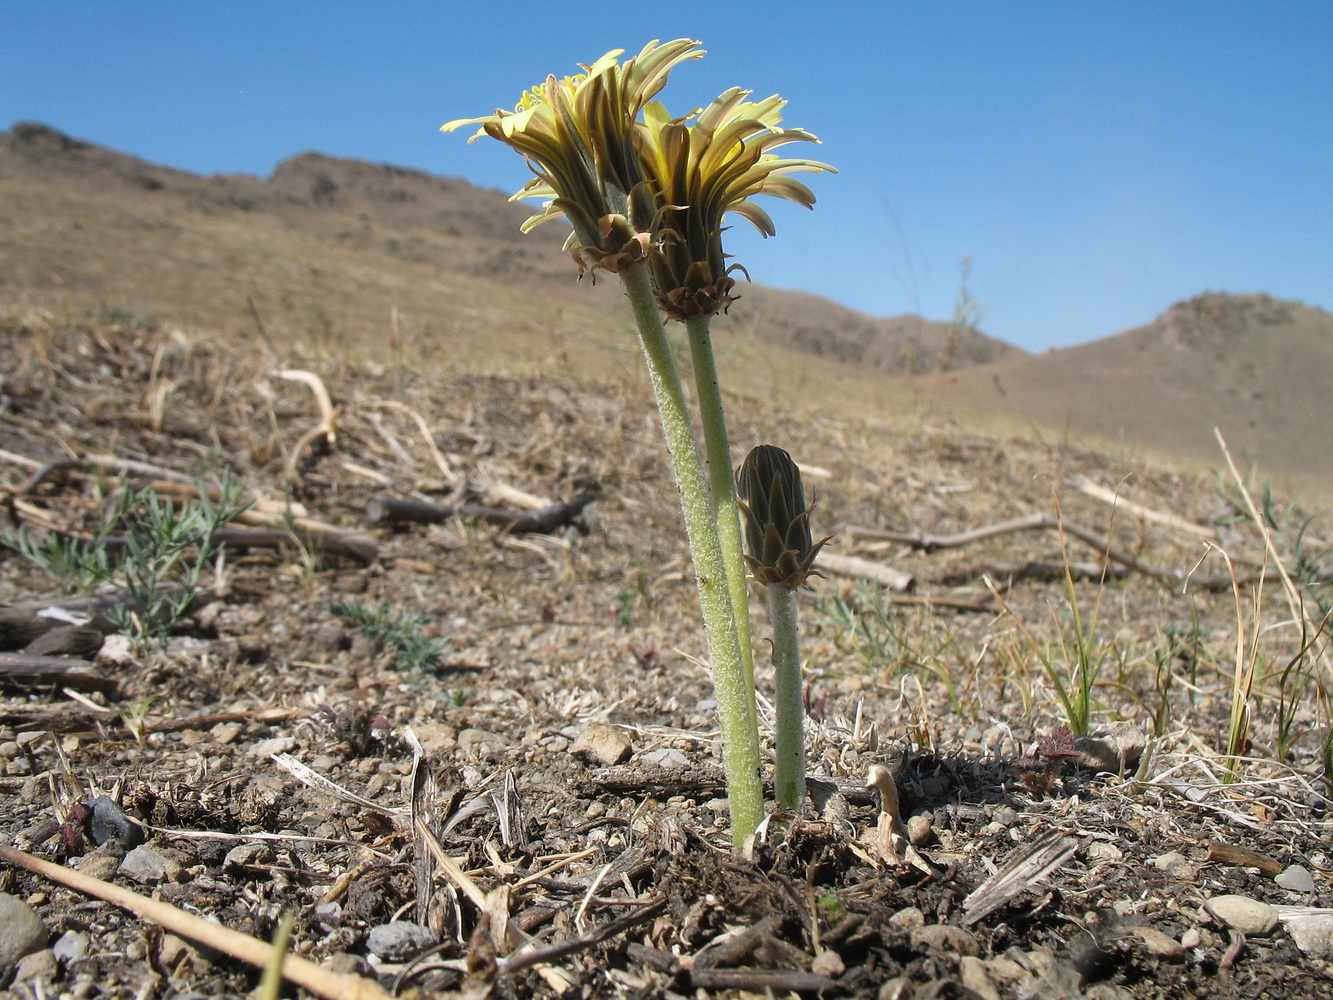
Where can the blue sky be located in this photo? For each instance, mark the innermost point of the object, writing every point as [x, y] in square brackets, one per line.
[1097, 161]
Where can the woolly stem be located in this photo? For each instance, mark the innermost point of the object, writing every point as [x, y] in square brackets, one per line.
[789, 779]
[722, 479]
[734, 690]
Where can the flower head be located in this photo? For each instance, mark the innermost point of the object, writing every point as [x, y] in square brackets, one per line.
[577, 136]
[777, 520]
[698, 172]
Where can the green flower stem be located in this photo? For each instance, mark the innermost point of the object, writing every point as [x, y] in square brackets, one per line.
[789, 780]
[735, 696]
[721, 476]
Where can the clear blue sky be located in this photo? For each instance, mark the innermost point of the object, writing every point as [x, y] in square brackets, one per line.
[1098, 161]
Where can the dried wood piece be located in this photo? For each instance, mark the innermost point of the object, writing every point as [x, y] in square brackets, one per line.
[27, 670]
[354, 545]
[67, 640]
[1027, 866]
[20, 624]
[385, 509]
[1043, 570]
[306, 974]
[1227, 854]
[864, 569]
[1099, 492]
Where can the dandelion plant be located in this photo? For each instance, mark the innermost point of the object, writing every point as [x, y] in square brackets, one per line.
[645, 194]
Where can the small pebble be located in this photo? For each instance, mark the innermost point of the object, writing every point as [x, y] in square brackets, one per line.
[1313, 934]
[21, 930]
[665, 758]
[946, 938]
[828, 963]
[109, 822]
[1191, 939]
[70, 947]
[920, 828]
[605, 744]
[909, 918]
[39, 965]
[278, 744]
[972, 973]
[1158, 944]
[1297, 878]
[1241, 913]
[225, 732]
[398, 940]
[147, 865]
[480, 740]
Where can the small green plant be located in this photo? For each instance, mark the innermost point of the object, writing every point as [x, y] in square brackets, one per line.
[148, 545]
[399, 630]
[76, 564]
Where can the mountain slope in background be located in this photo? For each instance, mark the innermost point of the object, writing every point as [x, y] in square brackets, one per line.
[352, 258]
[1257, 368]
[395, 216]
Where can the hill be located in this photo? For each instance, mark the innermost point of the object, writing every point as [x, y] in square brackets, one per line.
[110, 228]
[1256, 367]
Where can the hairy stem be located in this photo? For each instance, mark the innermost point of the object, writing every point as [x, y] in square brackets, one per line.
[721, 476]
[734, 690]
[789, 781]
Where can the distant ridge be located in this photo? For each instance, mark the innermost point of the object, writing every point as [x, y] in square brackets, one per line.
[1258, 368]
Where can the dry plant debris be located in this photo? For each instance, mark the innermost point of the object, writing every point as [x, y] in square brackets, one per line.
[431, 828]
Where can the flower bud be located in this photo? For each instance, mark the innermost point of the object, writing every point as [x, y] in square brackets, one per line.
[777, 520]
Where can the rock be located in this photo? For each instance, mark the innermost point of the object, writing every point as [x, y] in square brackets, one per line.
[1108, 991]
[897, 988]
[605, 744]
[21, 930]
[1176, 866]
[1297, 878]
[398, 940]
[116, 650]
[1313, 934]
[225, 732]
[101, 865]
[946, 938]
[109, 822]
[480, 741]
[664, 758]
[1158, 944]
[70, 947]
[278, 744]
[920, 828]
[972, 974]
[39, 965]
[1055, 980]
[828, 963]
[147, 865]
[436, 736]
[1191, 939]
[1115, 748]
[909, 918]
[245, 858]
[1241, 913]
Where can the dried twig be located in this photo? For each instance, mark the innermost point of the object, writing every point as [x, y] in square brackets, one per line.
[1027, 866]
[304, 973]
